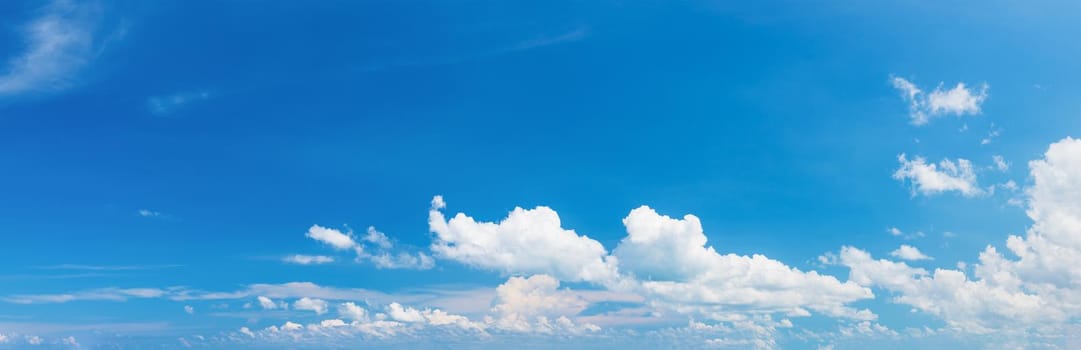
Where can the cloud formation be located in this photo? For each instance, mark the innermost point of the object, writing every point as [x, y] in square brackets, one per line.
[931, 179]
[62, 41]
[959, 101]
[374, 247]
[664, 259]
[1035, 293]
[525, 242]
[907, 252]
[300, 259]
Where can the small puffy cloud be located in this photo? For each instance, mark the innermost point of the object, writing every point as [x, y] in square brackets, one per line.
[332, 237]
[247, 332]
[307, 259]
[528, 241]
[34, 340]
[189, 309]
[895, 231]
[378, 238]
[3, 338]
[290, 326]
[907, 252]
[959, 100]
[318, 306]
[267, 303]
[930, 178]
[433, 317]
[149, 213]
[351, 311]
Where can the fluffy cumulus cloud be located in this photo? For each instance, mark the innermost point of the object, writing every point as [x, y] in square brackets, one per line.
[930, 178]
[907, 252]
[267, 303]
[664, 259]
[332, 237]
[318, 306]
[959, 100]
[529, 241]
[1035, 290]
[535, 304]
[672, 264]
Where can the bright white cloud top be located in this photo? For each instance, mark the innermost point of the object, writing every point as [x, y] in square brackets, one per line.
[930, 178]
[272, 177]
[959, 100]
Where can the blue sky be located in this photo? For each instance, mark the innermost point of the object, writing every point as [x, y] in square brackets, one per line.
[780, 174]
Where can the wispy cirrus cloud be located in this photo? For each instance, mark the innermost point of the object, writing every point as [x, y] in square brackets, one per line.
[301, 259]
[574, 35]
[106, 267]
[170, 103]
[64, 38]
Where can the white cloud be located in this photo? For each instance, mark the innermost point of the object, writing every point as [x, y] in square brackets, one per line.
[930, 178]
[527, 305]
[374, 246]
[307, 259]
[384, 255]
[960, 100]
[664, 259]
[266, 303]
[189, 309]
[353, 312]
[1000, 163]
[378, 238]
[59, 44]
[101, 294]
[895, 231]
[907, 252]
[291, 326]
[527, 241]
[318, 306]
[402, 260]
[434, 317]
[149, 213]
[34, 340]
[674, 266]
[332, 237]
[3, 338]
[247, 332]
[283, 290]
[1037, 291]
